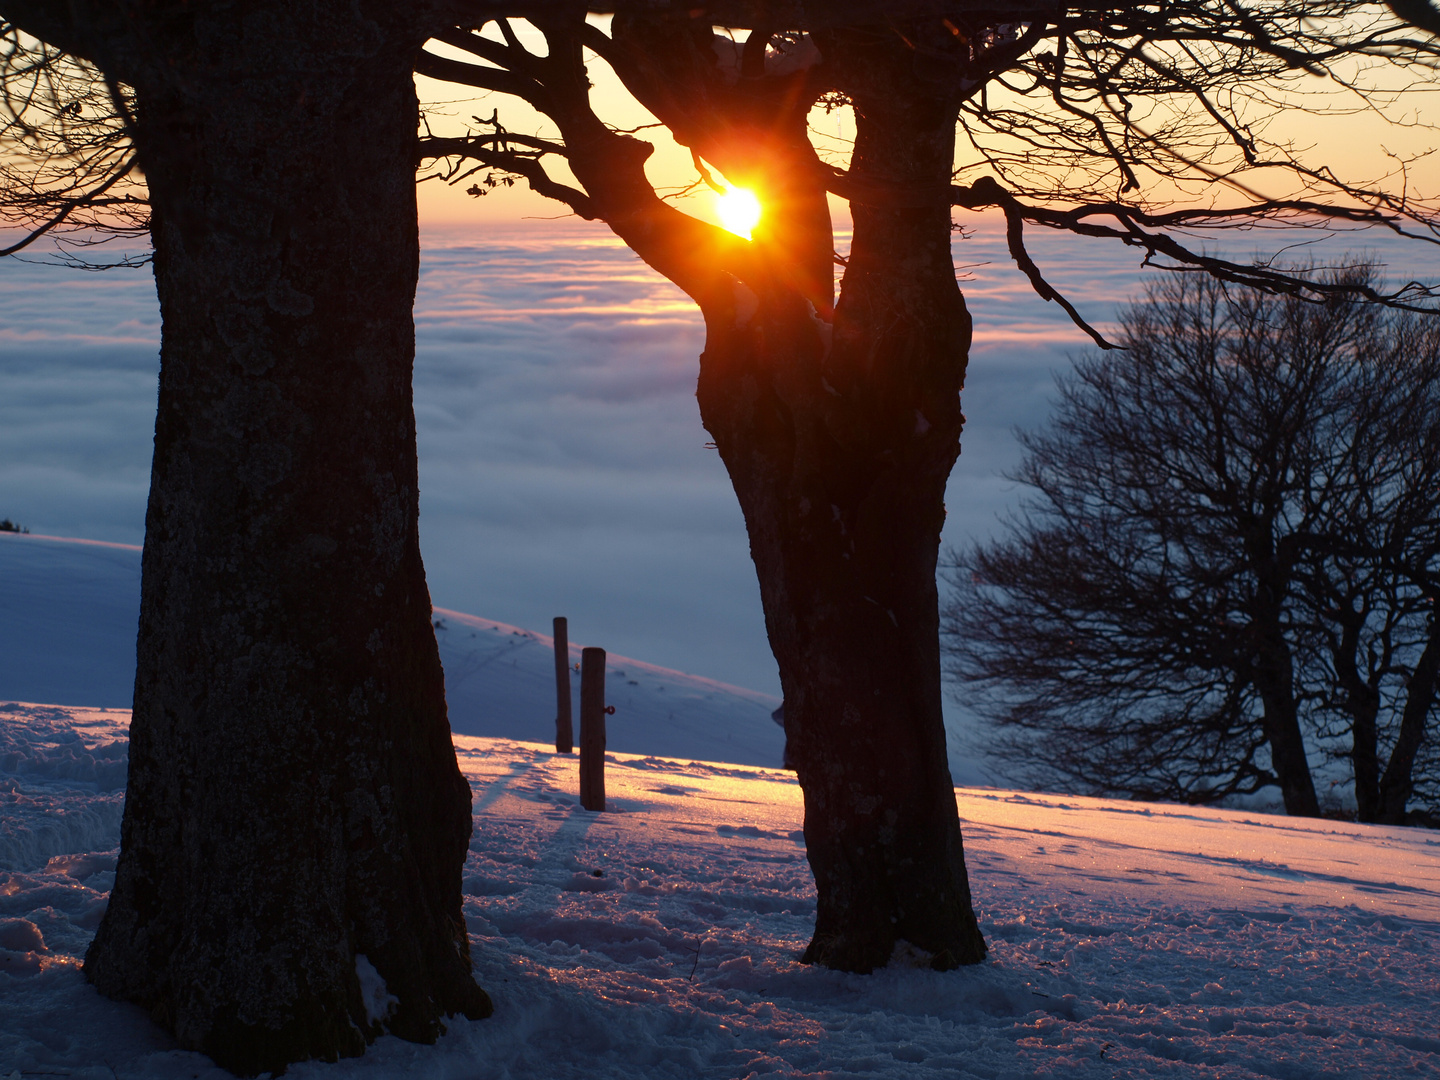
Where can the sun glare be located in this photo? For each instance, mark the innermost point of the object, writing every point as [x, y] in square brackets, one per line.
[739, 211]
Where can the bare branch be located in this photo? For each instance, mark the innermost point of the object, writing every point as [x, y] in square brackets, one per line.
[67, 165]
[69, 206]
[1138, 228]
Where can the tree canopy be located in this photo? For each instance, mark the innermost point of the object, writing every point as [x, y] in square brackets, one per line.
[1150, 124]
[1228, 566]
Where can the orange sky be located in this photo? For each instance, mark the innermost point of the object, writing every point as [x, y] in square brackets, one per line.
[1358, 146]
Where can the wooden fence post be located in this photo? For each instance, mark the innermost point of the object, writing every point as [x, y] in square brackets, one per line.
[564, 730]
[592, 729]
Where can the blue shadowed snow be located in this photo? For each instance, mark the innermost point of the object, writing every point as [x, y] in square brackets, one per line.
[68, 638]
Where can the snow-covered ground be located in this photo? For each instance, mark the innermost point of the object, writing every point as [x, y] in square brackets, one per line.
[68, 613]
[659, 939]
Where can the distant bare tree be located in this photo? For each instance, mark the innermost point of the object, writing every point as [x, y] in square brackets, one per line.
[1371, 578]
[1232, 546]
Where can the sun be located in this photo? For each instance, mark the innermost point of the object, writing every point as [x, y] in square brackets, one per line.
[739, 211]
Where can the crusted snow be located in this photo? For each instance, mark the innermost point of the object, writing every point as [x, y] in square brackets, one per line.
[661, 938]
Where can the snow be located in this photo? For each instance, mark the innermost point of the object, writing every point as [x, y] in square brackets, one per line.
[68, 614]
[500, 680]
[379, 1002]
[661, 938]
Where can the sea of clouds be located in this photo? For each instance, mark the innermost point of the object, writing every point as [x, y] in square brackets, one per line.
[563, 466]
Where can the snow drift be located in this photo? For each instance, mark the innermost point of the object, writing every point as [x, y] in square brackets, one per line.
[69, 610]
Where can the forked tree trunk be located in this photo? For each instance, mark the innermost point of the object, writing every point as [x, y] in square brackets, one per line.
[1362, 702]
[840, 456]
[294, 802]
[838, 438]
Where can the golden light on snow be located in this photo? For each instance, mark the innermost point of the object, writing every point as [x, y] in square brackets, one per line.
[739, 211]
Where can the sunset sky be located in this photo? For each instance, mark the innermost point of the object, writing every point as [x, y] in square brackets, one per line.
[1352, 138]
[564, 469]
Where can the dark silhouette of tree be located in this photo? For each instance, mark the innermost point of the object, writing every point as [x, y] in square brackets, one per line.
[294, 816]
[1232, 545]
[838, 425]
[839, 422]
[1372, 578]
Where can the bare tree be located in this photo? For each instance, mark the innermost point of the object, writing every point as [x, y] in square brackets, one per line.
[1230, 548]
[839, 421]
[838, 425]
[295, 820]
[1372, 576]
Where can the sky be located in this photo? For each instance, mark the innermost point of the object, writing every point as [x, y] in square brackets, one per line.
[563, 464]
[1383, 139]
[564, 468]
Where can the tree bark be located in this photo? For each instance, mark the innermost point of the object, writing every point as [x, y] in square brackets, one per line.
[1362, 703]
[294, 803]
[1272, 664]
[839, 451]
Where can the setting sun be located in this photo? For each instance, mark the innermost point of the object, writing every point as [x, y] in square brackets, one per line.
[739, 211]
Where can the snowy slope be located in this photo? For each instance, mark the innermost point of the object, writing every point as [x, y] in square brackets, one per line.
[659, 939]
[68, 612]
[68, 615]
[500, 680]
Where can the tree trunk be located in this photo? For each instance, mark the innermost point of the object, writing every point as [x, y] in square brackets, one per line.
[839, 444]
[1362, 702]
[1398, 782]
[1273, 671]
[839, 438]
[1281, 723]
[295, 819]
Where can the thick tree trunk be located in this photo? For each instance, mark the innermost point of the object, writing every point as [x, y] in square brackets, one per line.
[295, 819]
[839, 443]
[1281, 722]
[839, 438]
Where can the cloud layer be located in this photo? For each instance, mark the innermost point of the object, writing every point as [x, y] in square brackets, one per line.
[563, 464]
